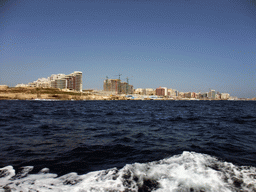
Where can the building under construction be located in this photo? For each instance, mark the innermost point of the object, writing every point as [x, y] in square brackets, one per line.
[117, 87]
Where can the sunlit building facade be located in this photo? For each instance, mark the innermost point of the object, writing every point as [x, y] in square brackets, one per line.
[71, 82]
[160, 91]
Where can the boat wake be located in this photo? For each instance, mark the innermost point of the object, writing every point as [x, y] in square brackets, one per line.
[188, 171]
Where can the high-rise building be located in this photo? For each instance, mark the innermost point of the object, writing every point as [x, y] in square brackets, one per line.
[78, 81]
[112, 85]
[60, 83]
[212, 94]
[72, 81]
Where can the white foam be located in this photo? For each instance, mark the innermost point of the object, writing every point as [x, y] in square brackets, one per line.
[186, 172]
[37, 99]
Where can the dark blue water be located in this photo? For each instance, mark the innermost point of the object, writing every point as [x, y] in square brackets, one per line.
[87, 136]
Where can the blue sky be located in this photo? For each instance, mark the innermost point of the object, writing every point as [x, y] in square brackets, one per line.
[188, 45]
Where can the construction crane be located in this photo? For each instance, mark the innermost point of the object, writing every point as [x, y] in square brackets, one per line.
[127, 79]
[107, 83]
[127, 85]
[118, 88]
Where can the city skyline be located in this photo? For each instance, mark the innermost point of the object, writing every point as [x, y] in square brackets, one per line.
[184, 45]
[72, 82]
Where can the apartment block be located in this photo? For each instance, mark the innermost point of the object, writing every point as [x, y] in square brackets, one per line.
[160, 91]
[72, 82]
[224, 96]
[212, 94]
[150, 91]
[188, 95]
[140, 91]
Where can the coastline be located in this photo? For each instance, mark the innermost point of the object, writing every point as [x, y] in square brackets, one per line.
[56, 94]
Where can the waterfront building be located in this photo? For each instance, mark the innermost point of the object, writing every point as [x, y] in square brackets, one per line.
[169, 92]
[224, 96]
[204, 95]
[112, 85]
[181, 94]
[77, 80]
[187, 95]
[160, 91]
[176, 92]
[117, 87]
[198, 95]
[139, 91]
[150, 91]
[218, 96]
[125, 88]
[172, 92]
[165, 91]
[60, 83]
[53, 84]
[212, 94]
[53, 77]
[72, 82]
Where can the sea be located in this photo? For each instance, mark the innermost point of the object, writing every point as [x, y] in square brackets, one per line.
[127, 146]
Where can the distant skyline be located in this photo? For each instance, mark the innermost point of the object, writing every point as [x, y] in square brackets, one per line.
[188, 45]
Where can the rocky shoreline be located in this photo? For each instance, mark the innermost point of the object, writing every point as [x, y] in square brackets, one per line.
[31, 93]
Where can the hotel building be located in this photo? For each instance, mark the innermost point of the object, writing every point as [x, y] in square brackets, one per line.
[71, 82]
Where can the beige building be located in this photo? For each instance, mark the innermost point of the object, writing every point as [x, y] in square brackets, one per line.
[112, 85]
[150, 91]
[115, 86]
[169, 92]
[140, 91]
[224, 96]
[72, 82]
[188, 95]
[181, 94]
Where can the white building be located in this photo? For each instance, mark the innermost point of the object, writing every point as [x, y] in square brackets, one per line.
[72, 81]
[165, 91]
[225, 96]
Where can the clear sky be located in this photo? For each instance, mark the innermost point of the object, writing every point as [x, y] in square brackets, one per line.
[188, 45]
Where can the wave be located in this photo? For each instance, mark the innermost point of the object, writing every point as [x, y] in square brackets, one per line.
[188, 171]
